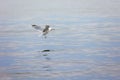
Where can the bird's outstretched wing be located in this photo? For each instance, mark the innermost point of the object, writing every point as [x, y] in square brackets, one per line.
[37, 27]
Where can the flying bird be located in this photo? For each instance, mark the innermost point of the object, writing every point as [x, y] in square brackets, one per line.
[44, 30]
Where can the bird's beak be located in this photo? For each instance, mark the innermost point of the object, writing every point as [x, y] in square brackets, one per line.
[52, 29]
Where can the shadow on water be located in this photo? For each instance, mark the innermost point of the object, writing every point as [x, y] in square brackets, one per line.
[45, 53]
[46, 50]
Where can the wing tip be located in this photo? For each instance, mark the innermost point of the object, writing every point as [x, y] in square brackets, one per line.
[34, 25]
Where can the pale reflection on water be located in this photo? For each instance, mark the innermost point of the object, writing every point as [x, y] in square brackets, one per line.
[82, 47]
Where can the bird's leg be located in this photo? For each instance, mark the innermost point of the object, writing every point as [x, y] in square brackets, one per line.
[45, 36]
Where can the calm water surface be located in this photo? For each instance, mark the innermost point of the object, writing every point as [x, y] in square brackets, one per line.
[84, 46]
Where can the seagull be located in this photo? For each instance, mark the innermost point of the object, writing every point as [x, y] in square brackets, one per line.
[44, 31]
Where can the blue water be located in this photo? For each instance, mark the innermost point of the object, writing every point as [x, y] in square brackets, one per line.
[84, 46]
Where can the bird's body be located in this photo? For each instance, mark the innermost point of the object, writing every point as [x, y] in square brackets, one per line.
[44, 31]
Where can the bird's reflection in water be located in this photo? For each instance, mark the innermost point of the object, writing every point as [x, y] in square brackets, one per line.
[46, 50]
[47, 68]
[46, 55]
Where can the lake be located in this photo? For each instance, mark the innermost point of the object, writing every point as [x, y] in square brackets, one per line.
[85, 44]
